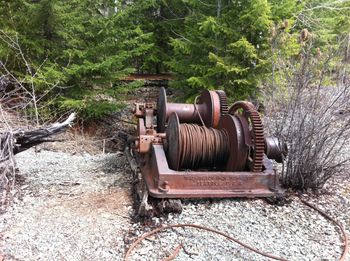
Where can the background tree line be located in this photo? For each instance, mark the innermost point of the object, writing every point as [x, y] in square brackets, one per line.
[71, 54]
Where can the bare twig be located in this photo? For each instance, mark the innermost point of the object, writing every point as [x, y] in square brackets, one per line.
[7, 169]
[303, 111]
[25, 87]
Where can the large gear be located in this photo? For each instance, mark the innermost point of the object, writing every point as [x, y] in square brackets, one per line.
[223, 102]
[256, 141]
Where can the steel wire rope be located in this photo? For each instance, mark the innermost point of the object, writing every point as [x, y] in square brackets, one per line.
[157, 230]
[324, 214]
[202, 147]
[196, 110]
[337, 223]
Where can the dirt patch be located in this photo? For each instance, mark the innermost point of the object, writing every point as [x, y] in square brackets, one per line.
[95, 203]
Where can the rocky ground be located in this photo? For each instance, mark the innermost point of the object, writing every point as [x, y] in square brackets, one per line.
[70, 207]
[293, 231]
[78, 207]
[74, 202]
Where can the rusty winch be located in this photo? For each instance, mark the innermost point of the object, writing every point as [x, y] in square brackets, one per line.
[205, 149]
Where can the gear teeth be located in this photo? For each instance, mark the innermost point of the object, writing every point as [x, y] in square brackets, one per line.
[223, 102]
[258, 132]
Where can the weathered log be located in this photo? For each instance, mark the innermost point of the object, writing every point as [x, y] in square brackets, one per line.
[13, 142]
[23, 140]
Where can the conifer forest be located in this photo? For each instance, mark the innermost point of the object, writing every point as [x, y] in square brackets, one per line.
[174, 130]
[71, 53]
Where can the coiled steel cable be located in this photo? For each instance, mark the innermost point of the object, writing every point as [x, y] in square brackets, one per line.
[202, 147]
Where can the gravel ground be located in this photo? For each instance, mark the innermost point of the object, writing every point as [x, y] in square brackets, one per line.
[293, 232]
[70, 207]
[78, 207]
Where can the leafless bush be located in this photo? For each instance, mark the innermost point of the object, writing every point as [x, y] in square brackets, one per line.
[20, 92]
[7, 168]
[309, 108]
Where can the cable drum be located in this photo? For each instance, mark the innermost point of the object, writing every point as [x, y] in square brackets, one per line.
[196, 147]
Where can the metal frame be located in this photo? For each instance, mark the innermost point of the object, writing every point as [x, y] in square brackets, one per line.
[162, 182]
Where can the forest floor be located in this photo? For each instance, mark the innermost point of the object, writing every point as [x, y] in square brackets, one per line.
[74, 202]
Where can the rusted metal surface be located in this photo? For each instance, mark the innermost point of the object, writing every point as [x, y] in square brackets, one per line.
[173, 142]
[256, 140]
[163, 182]
[223, 102]
[208, 109]
[236, 161]
[275, 149]
[185, 112]
[196, 147]
[204, 149]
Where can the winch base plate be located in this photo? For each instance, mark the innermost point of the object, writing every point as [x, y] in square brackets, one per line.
[163, 182]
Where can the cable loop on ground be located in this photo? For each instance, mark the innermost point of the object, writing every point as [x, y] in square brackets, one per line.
[157, 230]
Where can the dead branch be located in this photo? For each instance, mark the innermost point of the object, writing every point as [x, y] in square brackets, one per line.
[13, 142]
[26, 139]
[7, 168]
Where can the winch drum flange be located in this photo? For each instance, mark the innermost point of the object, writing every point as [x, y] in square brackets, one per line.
[208, 109]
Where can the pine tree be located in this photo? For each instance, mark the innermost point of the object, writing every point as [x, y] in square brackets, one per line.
[223, 46]
[76, 44]
[88, 45]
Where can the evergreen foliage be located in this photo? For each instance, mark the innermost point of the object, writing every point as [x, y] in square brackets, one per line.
[74, 52]
[223, 46]
[82, 45]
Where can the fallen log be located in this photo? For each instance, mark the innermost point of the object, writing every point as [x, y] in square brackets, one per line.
[24, 140]
[13, 142]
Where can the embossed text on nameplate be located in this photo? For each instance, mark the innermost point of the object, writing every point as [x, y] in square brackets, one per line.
[211, 181]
